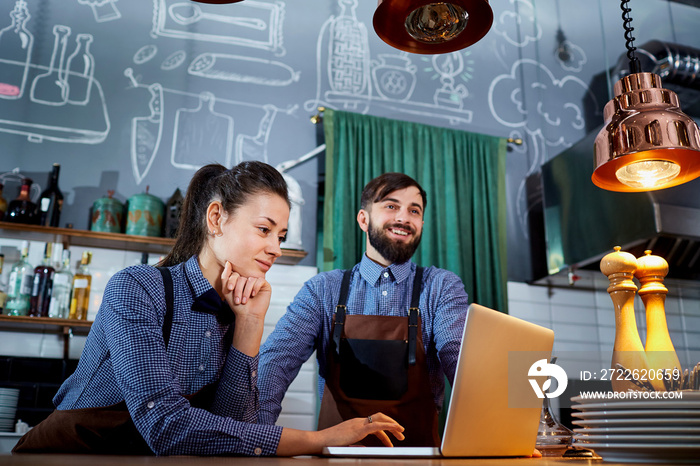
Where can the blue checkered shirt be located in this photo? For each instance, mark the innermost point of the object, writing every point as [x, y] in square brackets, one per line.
[374, 290]
[125, 359]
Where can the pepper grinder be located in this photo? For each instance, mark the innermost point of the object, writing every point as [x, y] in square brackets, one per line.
[628, 351]
[651, 271]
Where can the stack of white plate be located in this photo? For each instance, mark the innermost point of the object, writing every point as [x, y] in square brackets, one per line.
[8, 408]
[640, 430]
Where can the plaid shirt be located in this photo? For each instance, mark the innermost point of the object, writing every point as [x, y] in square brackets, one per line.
[374, 290]
[125, 359]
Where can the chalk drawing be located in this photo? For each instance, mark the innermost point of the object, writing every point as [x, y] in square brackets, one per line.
[50, 88]
[80, 68]
[520, 20]
[343, 62]
[255, 147]
[570, 56]
[66, 85]
[16, 41]
[145, 54]
[174, 60]
[347, 77]
[103, 10]
[555, 116]
[201, 135]
[146, 131]
[236, 68]
[251, 23]
[210, 131]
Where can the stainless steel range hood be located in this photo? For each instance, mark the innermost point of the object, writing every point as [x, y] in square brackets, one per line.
[584, 222]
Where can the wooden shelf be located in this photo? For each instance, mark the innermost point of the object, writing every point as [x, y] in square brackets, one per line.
[95, 239]
[64, 327]
[85, 238]
[24, 321]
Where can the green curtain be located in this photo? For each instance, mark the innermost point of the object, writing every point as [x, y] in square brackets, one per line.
[464, 177]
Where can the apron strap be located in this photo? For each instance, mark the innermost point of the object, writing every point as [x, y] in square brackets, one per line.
[169, 303]
[340, 309]
[413, 313]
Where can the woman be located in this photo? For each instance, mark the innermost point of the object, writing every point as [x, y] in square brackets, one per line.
[170, 364]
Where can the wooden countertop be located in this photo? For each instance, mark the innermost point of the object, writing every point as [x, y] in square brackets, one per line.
[92, 460]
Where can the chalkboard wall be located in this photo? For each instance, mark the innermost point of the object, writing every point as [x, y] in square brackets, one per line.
[132, 94]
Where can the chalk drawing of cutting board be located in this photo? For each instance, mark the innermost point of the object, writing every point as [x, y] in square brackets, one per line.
[201, 135]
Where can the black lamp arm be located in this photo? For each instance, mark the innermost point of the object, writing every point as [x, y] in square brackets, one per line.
[635, 67]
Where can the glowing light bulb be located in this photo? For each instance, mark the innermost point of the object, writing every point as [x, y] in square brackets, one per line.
[648, 173]
[436, 22]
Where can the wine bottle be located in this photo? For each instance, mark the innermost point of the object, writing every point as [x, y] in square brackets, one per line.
[20, 286]
[22, 209]
[60, 296]
[51, 201]
[80, 297]
[42, 285]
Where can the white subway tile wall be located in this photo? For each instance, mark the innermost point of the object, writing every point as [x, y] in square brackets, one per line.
[583, 318]
[299, 406]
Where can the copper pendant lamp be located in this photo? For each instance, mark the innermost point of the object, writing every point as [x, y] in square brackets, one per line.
[432, 27]
[647, 142]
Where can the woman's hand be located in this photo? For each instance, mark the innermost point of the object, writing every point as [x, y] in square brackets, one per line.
[249, 299]
[240, 292]
[299, 442]
[354, 430]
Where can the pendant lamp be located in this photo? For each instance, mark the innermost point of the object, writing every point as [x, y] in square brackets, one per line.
[430, 27]
[647, 142]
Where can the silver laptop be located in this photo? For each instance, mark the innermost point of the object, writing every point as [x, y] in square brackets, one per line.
[493, 409]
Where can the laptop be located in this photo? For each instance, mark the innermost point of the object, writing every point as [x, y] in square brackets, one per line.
[493, 410]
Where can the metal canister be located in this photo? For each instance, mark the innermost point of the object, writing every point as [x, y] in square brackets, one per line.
[145, 215]
[107, 214]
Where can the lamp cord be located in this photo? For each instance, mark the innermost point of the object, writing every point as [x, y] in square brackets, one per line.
[635, 66]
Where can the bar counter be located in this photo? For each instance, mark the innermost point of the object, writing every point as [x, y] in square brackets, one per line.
[98, 460]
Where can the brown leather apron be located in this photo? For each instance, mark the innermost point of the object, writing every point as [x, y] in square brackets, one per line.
[378, 364]
[104, 430]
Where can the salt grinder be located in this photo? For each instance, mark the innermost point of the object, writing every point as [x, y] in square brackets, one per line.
[651, 271]
[628, 350]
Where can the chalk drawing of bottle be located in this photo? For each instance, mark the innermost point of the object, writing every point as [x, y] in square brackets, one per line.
[51, 88]
[448, 67]
[80, 68]
[15, 53]
[349, 60]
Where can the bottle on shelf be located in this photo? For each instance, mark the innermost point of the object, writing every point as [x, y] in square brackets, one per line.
[19, 289]
[51, 201]
[22, 209]
[3, 203]
[80, 297]
[59, 306]
[3, 294]
[42, 285]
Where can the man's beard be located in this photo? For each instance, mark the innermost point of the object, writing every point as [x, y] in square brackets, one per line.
[393, 251]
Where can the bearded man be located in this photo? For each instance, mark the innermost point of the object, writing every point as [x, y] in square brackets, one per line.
[386, 332]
